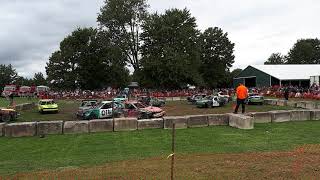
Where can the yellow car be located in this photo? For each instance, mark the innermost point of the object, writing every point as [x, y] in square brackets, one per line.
[47, 105]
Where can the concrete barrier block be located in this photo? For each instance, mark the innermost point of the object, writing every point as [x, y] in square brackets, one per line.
[280, 116]
[198, 121]
[168, 99]
[180, 121]
[267, 101]
[311, 105]
[20, 129]
[315, 115]
[125, 124]
[49, 127]
[76, 127]
[218, 119]
[301, 104]
[273, 102]
[292, 104]
[282, 102]
[300, 115]
[261, 117]
[176, 99]
[150, 124]
[2, 129]
[101, 125]
[241, 121]
[18, 107]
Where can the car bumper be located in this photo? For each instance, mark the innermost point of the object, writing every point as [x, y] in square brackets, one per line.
[50, 110]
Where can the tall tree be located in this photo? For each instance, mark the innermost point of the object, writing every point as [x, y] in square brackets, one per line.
[305, 51]
[38, 79]
[123, 19]
[170, 51]
[87, 59]
[276, 58]
[216, 54]
[8, 75]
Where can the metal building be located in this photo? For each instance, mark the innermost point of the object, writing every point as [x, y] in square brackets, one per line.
[271, 75]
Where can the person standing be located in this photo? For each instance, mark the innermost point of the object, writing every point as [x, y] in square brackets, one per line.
[242, 94]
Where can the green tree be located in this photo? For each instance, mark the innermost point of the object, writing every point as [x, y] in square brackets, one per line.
[305, 51]
[22, 81]
[8, 75]
[87, 59]
[276, 58]
[216, 54]
[170, 54]
[123, 19]
[38, 79]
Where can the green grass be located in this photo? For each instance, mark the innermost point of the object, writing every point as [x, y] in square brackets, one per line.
[17, 100]
[85, 150]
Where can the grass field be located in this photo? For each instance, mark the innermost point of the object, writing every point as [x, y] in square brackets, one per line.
[67, 110]
[126, 154]
[17, 100]
[178, 108]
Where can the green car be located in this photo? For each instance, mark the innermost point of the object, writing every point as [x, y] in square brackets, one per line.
[204, 102]
[47, 105]
[102, 110]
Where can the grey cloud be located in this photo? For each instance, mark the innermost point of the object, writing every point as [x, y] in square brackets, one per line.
[32, 29]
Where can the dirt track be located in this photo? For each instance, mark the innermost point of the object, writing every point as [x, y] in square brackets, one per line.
[302, 163]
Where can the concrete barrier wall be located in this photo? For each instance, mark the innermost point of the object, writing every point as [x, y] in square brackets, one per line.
[218, 119]
[241, 121]
[49, 127]
[280, 116]
[128, 124]
[76, 127]
[300, 115]
[100, 125]
[20, 129]
[125, 124]
[198, 121]
[180, 122]
[150, 124]
[2, 129]
[315, 115]
[25, 106]
[261, 117]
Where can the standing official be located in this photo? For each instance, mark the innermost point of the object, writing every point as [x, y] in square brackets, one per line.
[242, 94]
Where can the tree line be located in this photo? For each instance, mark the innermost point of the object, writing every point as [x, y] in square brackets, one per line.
[164, 50]
[304, 51]
[9, 75]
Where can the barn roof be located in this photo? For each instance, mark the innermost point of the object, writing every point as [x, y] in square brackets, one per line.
[290, 71]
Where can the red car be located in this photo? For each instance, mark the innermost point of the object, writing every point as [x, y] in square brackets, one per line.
[141, 111]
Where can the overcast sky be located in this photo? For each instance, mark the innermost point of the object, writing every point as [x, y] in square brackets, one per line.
[32, 29]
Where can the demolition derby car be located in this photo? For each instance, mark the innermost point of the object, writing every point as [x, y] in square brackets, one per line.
[86, 105]
[47, 105]
[193, 99]
[211, 101]
[105, 109]
[152, 101]
[141, 111]
[254, 99]
[7, 115]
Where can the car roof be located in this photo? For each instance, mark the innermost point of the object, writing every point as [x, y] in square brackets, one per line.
[105, 102]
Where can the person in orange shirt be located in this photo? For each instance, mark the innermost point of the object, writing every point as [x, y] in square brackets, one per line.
[242, 94]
